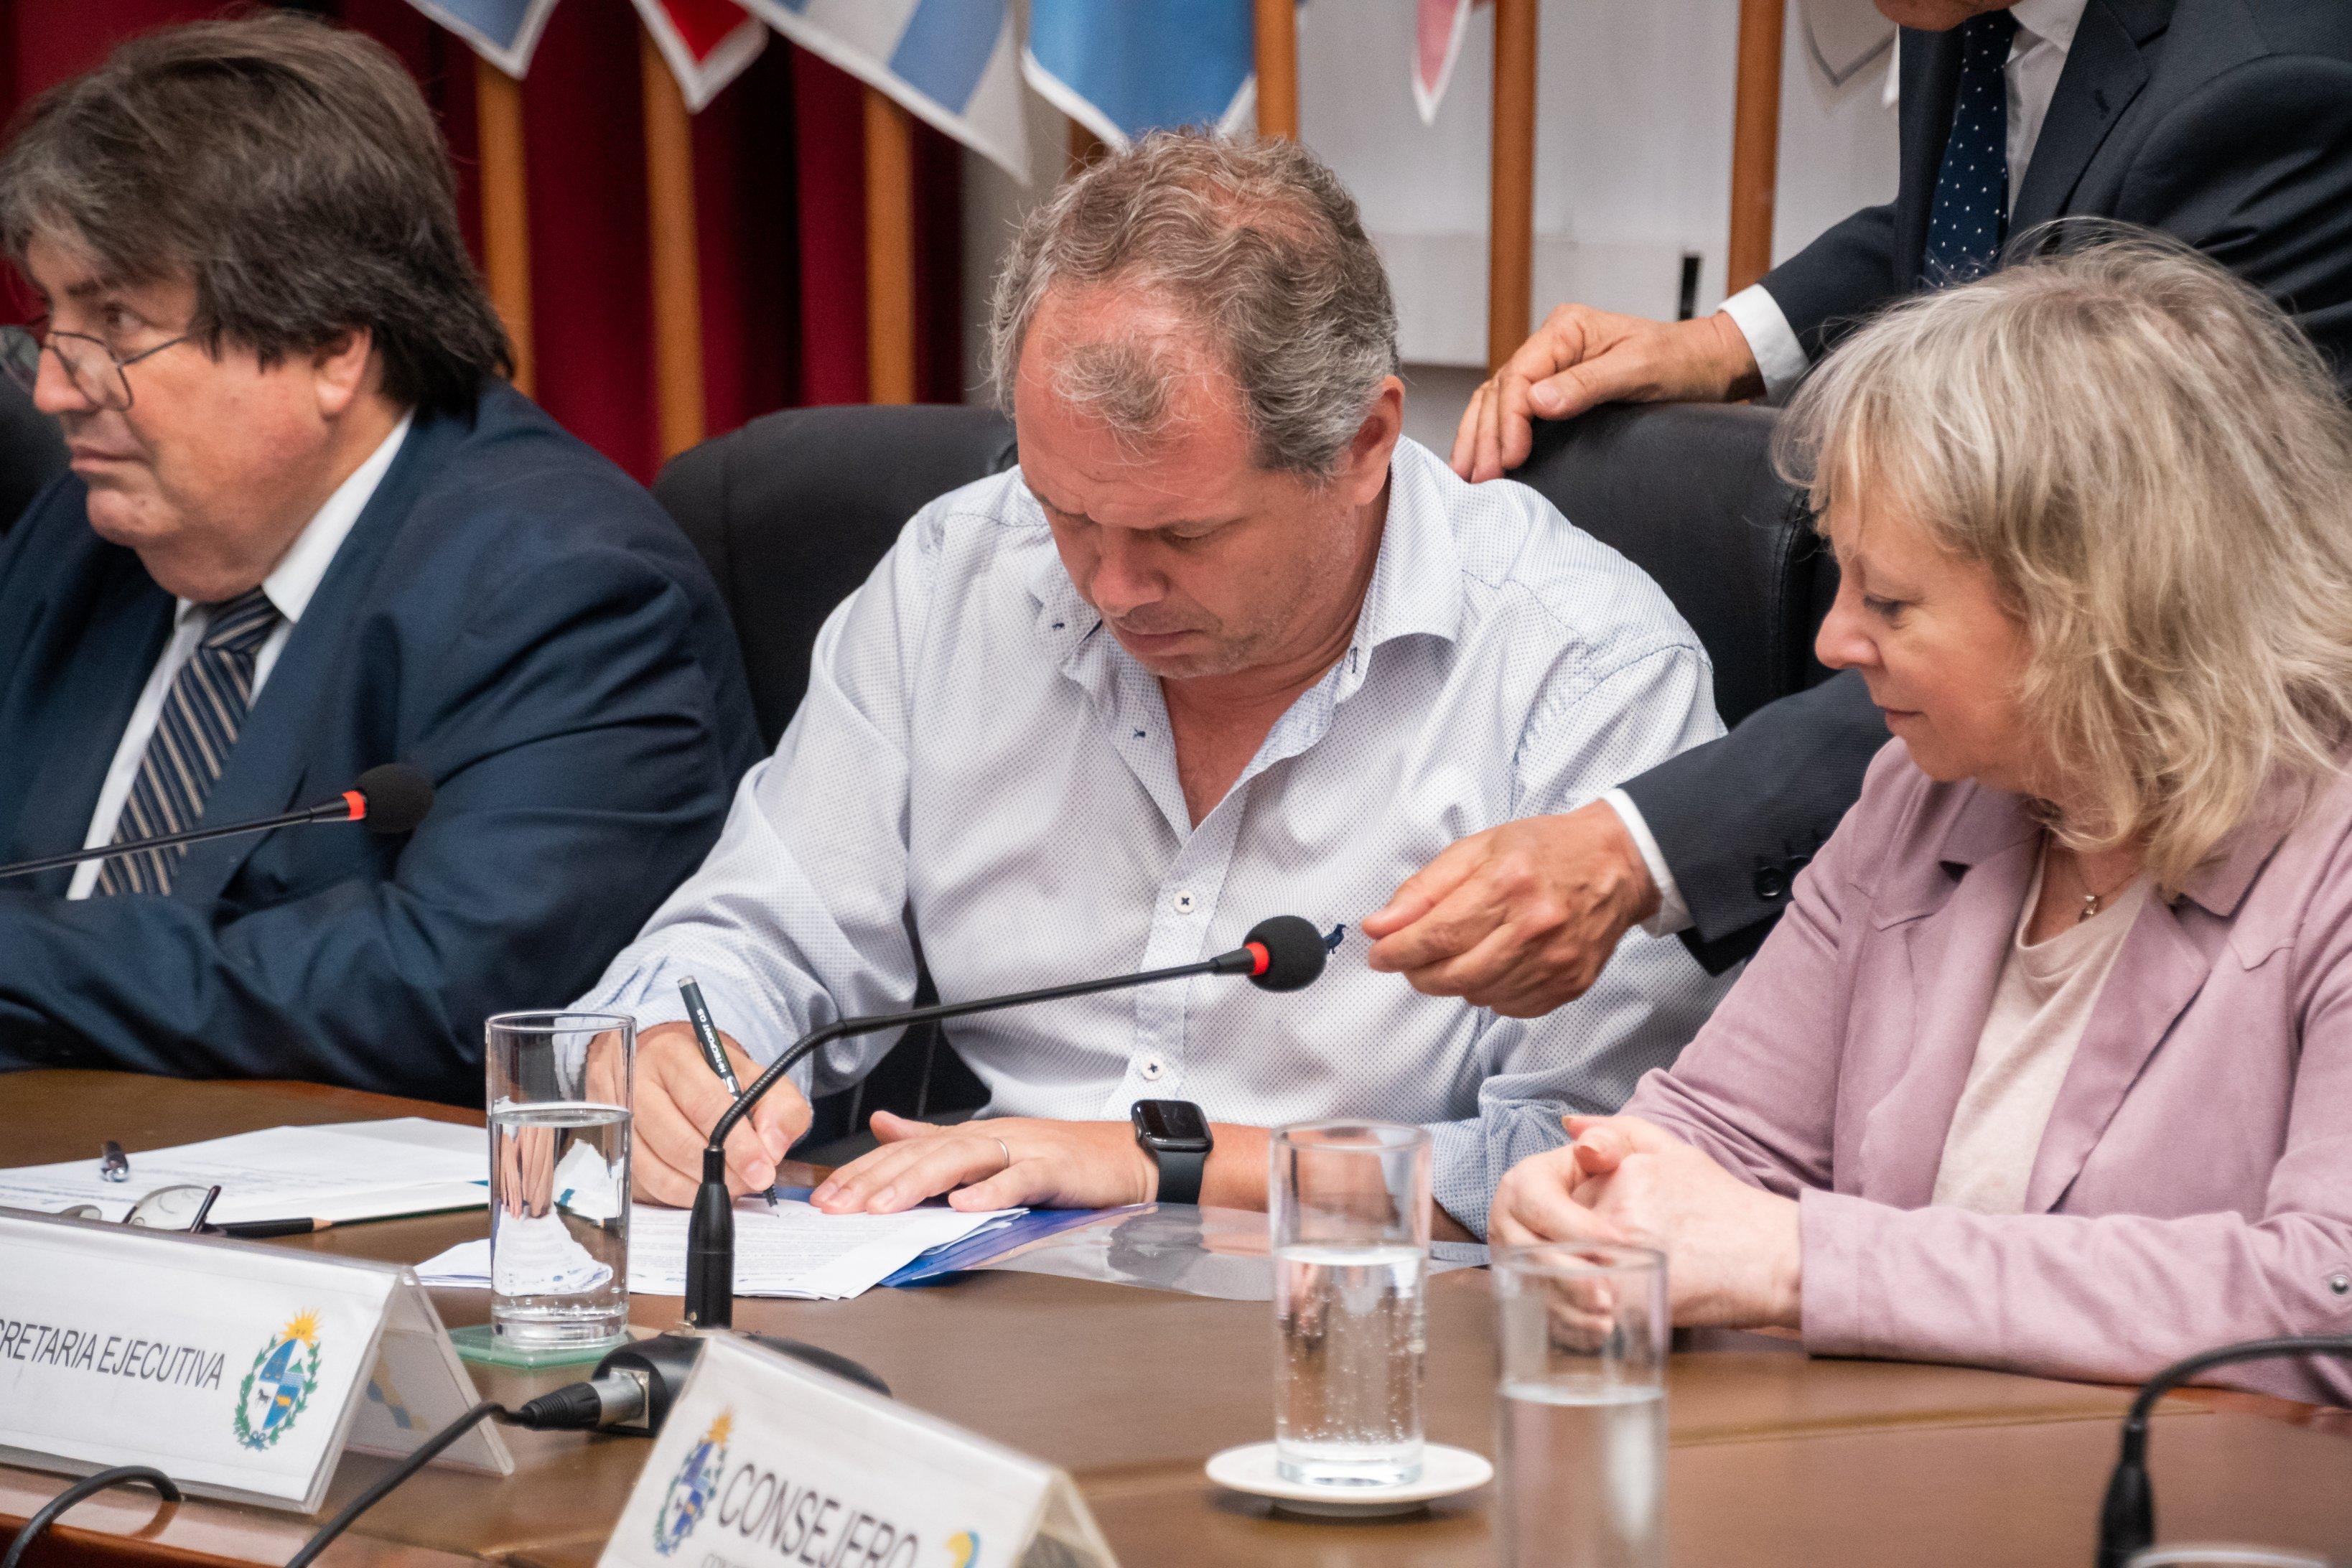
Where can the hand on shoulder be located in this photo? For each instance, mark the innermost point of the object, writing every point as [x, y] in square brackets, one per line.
[1581, 358]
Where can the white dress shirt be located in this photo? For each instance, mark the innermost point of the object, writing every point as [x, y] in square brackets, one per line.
[2037, 56]
[288, 585]
[980, 767]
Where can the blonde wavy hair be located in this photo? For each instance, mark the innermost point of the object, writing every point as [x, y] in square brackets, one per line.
[2154, 465]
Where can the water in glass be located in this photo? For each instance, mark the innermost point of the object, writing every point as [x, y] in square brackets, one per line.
[1350, 1322]
[1589, 1466]
[559, 1222]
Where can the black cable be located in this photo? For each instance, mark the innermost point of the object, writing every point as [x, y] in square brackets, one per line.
[576, 1407]
[375, 1494]
[88, 1486]
[2128, 1513]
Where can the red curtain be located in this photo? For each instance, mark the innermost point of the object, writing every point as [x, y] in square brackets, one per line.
[780, 208]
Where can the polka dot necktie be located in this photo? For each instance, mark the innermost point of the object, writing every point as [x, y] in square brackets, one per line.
[201, 716]
[1970, 218]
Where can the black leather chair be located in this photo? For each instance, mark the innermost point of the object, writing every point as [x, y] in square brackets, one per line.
[1686, 493]
[32, 452]
[792, 512]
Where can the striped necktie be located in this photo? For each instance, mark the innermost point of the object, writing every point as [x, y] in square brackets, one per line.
[201, 716]
[1970, 217]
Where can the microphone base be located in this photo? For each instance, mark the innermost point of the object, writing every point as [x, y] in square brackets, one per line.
[660, 1366]
[710, 1256]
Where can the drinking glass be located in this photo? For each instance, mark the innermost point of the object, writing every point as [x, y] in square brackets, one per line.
[1349, 1223]
[558, 1180]
[1583, 1330]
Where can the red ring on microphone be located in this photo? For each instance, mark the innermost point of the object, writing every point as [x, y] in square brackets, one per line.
[357, 803]
[1264, 959]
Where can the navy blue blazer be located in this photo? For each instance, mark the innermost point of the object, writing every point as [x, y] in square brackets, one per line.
[2226, 123]
[511, 615]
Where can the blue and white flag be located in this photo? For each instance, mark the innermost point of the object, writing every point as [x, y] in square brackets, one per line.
[954, 63]
[503, 32]
[1144, 65]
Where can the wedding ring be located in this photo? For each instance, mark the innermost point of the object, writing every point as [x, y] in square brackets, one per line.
[1008, 1151]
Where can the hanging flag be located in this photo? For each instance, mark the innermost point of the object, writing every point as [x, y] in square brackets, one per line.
[1438, 28]
[503, 32]
[950, 62]
[707, 43]
[1144, 65]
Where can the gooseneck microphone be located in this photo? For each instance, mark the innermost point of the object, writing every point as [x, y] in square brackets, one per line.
[2127, 1512]
[1283, 953]
[633, 1387]
[392, 798]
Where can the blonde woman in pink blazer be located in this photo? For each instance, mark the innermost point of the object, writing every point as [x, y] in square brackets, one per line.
[2050, 1067]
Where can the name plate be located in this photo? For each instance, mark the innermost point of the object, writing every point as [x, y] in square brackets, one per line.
[239, 1370]
[765, 1462]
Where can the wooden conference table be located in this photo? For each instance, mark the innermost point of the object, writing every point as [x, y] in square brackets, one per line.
[1775, 1458]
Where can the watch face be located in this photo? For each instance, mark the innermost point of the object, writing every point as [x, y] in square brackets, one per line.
[1173, 1121]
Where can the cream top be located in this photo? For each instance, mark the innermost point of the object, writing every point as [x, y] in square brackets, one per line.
[2045, 995]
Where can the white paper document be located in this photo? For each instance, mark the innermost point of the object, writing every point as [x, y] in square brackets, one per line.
[793, 1250]
[361, 1170]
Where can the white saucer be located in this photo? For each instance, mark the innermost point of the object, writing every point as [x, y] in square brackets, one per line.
[1444, 1472]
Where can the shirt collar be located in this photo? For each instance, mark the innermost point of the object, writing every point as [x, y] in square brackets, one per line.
[1416, 586]
[299, 572]
[2054, 21]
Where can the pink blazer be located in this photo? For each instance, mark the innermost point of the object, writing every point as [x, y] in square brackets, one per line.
[2194, 1185]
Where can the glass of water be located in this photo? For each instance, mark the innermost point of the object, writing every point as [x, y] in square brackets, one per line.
[1583, 1331]
[559, 1178]
[1349, 1217]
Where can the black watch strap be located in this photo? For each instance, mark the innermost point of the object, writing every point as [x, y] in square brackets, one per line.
[1179, 1175]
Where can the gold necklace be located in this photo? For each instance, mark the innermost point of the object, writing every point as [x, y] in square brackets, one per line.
[2094, 902]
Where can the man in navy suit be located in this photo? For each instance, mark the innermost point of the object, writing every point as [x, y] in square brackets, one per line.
[308, 530]
[2224, 123]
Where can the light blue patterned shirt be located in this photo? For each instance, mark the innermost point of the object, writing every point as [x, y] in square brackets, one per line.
[980, 768]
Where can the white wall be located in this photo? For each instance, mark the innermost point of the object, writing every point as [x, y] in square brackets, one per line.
[1633, 165]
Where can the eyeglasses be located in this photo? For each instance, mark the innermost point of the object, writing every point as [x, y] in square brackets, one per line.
[95, 369]
[181, 1208]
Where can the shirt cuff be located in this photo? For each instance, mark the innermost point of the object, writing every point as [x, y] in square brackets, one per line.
[1458, 1179]
[1673, 915]
[651, 996]
[1779, 355]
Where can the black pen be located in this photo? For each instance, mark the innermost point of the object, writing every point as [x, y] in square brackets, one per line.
[714, 1050]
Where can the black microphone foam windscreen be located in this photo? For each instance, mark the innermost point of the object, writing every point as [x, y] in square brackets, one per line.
[397, 798]
[1295, 952]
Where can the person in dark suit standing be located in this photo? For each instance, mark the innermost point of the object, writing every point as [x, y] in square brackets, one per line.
[2225, 124]
[310, 529]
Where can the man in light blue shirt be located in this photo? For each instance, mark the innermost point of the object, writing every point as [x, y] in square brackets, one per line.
[1223, 647]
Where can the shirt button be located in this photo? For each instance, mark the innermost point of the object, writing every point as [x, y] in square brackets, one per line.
[1152, 1068]
[1184, 903]
[2340, 1283]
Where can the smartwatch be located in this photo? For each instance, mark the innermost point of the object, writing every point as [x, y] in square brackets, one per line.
[1176, 1135]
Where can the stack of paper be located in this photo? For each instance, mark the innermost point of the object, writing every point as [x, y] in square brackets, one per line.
[792, 1250]
[355, 1170]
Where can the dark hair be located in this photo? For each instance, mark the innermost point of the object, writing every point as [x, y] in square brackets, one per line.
[291, 170]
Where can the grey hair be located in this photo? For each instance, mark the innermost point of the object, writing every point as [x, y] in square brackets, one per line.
[2154, 465]
[1257, 243]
